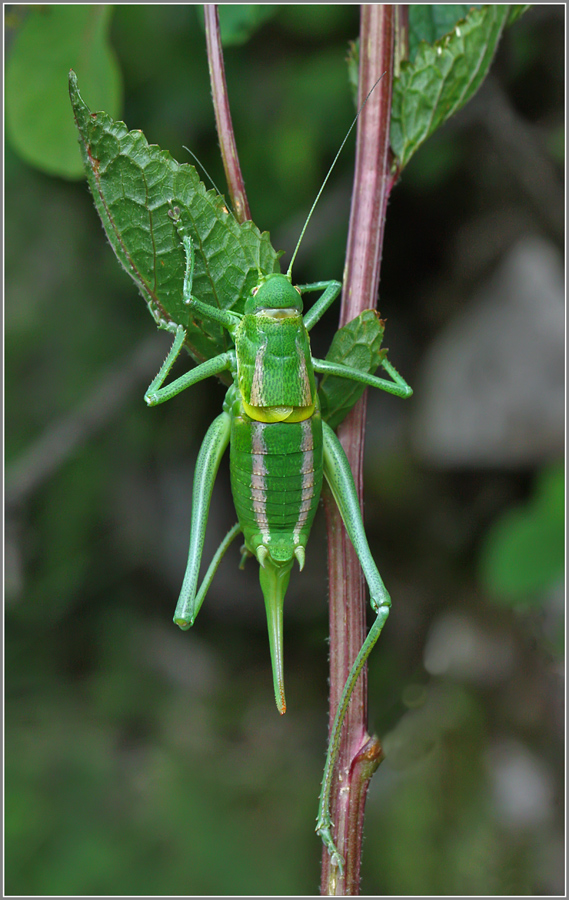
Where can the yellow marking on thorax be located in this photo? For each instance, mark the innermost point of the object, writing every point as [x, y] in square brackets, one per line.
[278, 413]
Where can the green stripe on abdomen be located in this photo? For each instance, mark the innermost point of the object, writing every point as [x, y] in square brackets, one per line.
[276, 480]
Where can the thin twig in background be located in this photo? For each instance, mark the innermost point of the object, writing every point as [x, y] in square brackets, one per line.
[523, 151]
[62, 438]
[235, 182]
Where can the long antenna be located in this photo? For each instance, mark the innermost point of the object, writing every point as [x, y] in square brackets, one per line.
[289, 270]
[205, 171]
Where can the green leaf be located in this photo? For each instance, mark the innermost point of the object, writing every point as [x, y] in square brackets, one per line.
[137, 187]
[51, 40]
[357, 344]
[516, 11]
[431, 21]
[523, 553]
[443, 77]
[239, 22]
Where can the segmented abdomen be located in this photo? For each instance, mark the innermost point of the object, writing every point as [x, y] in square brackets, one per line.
[276, 480]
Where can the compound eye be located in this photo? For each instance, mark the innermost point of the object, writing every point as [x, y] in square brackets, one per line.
[255, 291]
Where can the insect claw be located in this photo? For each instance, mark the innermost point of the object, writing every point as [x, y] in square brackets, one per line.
[262, 553]
[300, 555]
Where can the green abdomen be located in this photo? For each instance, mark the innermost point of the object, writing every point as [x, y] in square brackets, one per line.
[276, 480]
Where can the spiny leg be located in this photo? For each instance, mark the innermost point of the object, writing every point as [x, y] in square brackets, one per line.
[224, 317]
[157, 394]
[213, 566]
[398, 386]
[323, 821]
[209, 457]
[338, 475]
[173, 354]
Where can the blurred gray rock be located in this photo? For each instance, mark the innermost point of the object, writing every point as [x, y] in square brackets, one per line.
[461, 649]
[522, 787]
[491, 392]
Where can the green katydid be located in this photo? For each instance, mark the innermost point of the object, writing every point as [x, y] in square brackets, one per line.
[280, 447]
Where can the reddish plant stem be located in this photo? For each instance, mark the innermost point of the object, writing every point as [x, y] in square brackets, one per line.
[359, 755]
[223, 120]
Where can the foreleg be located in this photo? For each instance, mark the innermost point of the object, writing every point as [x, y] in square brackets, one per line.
[331, 290]
[157, 394]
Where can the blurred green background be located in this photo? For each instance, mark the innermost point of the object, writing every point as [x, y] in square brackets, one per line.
[142, 760]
